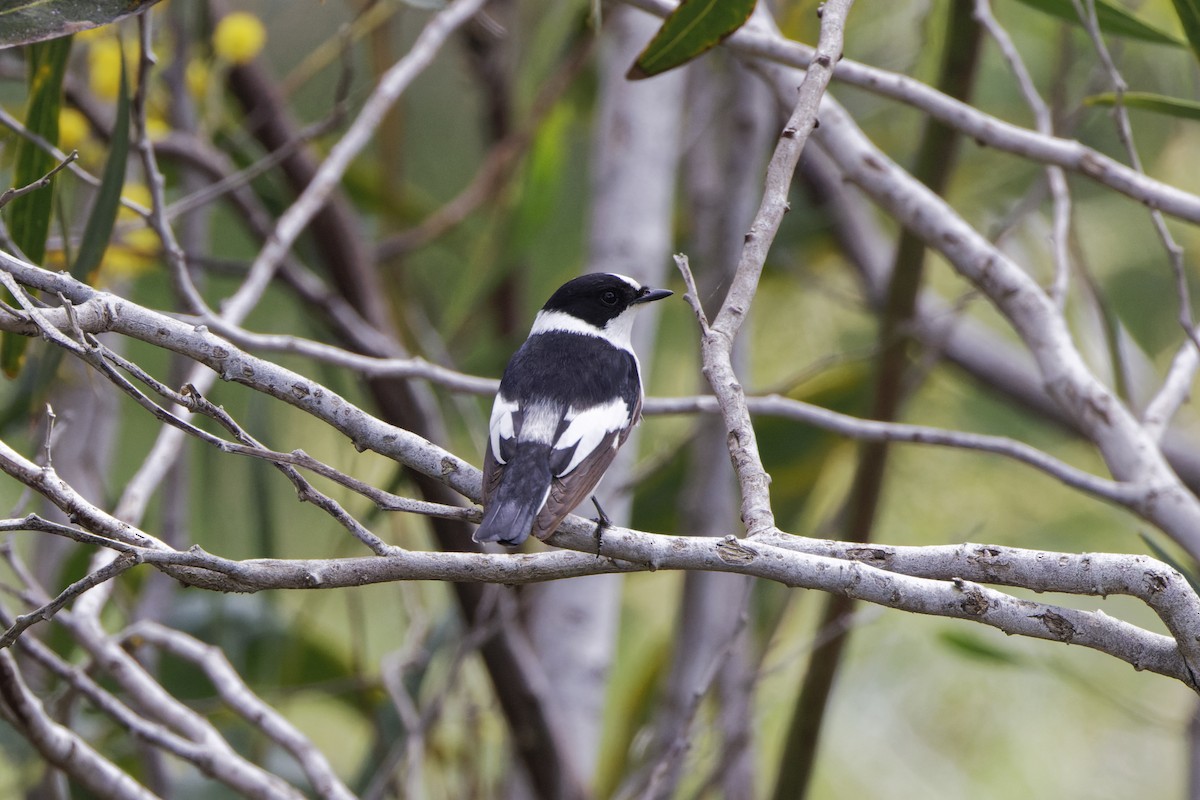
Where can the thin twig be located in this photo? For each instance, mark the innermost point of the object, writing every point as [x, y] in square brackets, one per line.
[58, 744]
[239, 697]
[717, 339]
[24, 622]
[1055, 177]
[191, 399]
[8, 195]
[393, 83]
[176, 259]
[986, 129]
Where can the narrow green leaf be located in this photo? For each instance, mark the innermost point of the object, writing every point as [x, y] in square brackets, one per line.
[1148, 101]
[1189, 17]
[695, 27]
[28, 21]
[29, 215]
[99, 228]
[1113, 20]
[29, 219]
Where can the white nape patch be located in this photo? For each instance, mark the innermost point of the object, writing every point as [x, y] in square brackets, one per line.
[587, 428]
[501, 424]
[637, 286]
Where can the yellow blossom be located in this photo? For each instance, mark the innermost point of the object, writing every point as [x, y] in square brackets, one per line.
[104, 68]
[196, 77]
[239, 37]
[94, 34]
[157, 128]
[134, 247]
[129, 254]
[73, 129]
[135, 193]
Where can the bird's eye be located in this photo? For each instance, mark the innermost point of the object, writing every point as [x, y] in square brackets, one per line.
[609, 298]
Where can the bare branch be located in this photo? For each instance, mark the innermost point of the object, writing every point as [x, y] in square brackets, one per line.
[10, 194]
[944, 583]
[199, 344]
[60, 746]
[238, 696]
[717, 338]
[47, 611]
[868, 430]
[160, 736]
[1129, 452]
[983, 128]
[393, 83]
[1055, 177]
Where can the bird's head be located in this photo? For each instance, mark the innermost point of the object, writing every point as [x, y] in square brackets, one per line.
[601, 303]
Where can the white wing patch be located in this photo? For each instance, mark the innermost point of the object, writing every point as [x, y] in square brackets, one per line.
[501, 424]
[587, 428]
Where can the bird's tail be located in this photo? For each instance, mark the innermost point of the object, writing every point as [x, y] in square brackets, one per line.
[521, 494]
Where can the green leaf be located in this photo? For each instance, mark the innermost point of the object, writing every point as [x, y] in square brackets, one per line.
[1189, 17]
[1113, 20]
[99, 228]
[29, 215]
[1148, 101]
[694, 27]
[28, 21]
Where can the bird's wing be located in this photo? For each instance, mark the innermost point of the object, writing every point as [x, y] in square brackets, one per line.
[583, 452]
[500, 436]
[570, 489]
[585, 431]
[503, 426]
[492, 472]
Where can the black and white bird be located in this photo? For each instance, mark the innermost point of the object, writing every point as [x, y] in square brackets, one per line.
[568, 400]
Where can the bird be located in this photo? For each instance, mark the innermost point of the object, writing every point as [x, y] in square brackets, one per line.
[568, 400]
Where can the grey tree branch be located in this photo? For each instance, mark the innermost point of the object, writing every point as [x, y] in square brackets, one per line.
[329, 175]
[158, 706]
[717, 338]
[97, 320]
[205, 570]
[145, 729]
[238, 696]
[984, 128]
[1055, 177]
[944, 584]
[59, 745]
[1131, 454]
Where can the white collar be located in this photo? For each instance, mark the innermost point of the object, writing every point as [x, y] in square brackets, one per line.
[617, 332]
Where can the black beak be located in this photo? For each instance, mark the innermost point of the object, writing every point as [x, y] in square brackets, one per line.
[650, 295]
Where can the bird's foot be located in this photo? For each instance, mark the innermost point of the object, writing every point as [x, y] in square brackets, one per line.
[602, 521]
